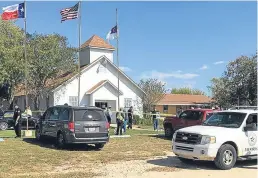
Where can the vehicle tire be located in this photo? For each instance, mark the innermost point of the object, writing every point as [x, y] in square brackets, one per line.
[168, 131]
[60, 141]
[3, 126]
[185, 160]
[99, 146]
[226, 157]
[38, 135]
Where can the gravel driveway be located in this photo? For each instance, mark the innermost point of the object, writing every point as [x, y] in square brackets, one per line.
[169, 166]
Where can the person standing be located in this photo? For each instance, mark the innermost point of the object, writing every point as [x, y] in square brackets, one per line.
[125, 120]
[119, 120]
[28, 112]
[154, 118]
[108, 113]
[17, 121]
[130, 118]
[179, 111]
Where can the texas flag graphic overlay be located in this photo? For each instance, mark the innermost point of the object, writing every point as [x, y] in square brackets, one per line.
[13, 12]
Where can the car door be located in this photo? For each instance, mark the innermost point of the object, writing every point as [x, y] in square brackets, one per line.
[182, 119]
[250, 136]
[53, 121]
[44, 122]
[90, 123]
[64, 116]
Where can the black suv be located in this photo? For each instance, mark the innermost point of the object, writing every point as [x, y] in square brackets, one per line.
[7, 122]
[74, 125]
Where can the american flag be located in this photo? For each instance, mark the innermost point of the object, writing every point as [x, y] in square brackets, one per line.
[70, 13]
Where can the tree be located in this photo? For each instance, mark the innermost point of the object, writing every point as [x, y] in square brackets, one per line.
[238, 84]
[49, 56]
[11, 56]
[220, 92]
[187, 90]
[154, 91]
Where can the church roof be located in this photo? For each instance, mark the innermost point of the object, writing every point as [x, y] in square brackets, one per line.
[100, 84]
[97, 42]
[54, 84]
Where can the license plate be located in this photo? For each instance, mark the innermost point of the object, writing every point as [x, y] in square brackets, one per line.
[92, 129]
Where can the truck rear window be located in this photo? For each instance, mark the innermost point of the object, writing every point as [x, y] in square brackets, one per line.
[208, 115]
[89, 115]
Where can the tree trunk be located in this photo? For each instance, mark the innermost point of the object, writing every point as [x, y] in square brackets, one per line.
[11, 101]
[47, 101]
[36, 103]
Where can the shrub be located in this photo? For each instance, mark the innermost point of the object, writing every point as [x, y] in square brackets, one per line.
[142, 121]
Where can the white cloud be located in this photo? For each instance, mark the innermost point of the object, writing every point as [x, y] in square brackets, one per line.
[218, 62]
[204, 67]
[162, 76]
[125, 69]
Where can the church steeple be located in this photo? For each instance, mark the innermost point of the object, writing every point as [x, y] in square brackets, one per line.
[94, 48]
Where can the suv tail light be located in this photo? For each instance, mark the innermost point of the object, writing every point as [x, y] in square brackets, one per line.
[71, 126]
[107, 125]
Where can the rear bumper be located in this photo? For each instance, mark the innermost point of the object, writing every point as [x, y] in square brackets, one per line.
[71, 139]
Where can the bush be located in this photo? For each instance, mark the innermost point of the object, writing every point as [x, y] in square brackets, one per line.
[142, 121]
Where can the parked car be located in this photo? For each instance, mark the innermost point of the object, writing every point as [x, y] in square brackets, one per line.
[7, 122]
[187, 118]
[227, 136]
[74, 125]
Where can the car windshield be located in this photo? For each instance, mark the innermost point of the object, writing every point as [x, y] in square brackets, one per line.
[226, 119]
[8, 114]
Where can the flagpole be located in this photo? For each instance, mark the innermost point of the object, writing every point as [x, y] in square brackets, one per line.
[79, 65]
[25, 57]
[117, 61]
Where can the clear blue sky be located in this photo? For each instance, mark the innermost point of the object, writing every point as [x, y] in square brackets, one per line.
[171, 41]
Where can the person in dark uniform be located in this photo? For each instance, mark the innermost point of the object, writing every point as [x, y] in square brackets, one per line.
[17, 121]
[108, 113]
[130, 118]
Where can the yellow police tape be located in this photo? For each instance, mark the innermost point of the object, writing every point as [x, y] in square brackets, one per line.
[158, 114]
[161, 116]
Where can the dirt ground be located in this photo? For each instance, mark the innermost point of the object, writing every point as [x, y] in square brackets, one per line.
[169, 166]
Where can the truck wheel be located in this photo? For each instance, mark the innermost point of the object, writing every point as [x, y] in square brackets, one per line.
[3, 126]
[168, 131]
[226, 157]
[184, 160]
[60, 141]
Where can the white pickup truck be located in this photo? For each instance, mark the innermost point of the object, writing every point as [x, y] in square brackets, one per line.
[227, 136]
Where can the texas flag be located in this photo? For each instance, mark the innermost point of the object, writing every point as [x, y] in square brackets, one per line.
[13, 12]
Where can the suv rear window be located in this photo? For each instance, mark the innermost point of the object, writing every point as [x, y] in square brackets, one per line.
[89, 115]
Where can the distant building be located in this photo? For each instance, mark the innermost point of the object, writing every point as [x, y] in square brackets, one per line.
[171, 103]
[99, 83]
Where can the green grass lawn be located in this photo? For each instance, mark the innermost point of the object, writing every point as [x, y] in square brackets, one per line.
[28, 158]
[11, 133]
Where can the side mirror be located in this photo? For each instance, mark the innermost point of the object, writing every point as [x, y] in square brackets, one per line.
[250, 127]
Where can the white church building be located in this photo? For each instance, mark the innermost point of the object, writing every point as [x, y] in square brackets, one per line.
[98, 82]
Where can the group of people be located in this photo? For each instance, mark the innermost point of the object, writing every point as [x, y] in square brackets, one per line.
[124, 119]
[17, 118]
